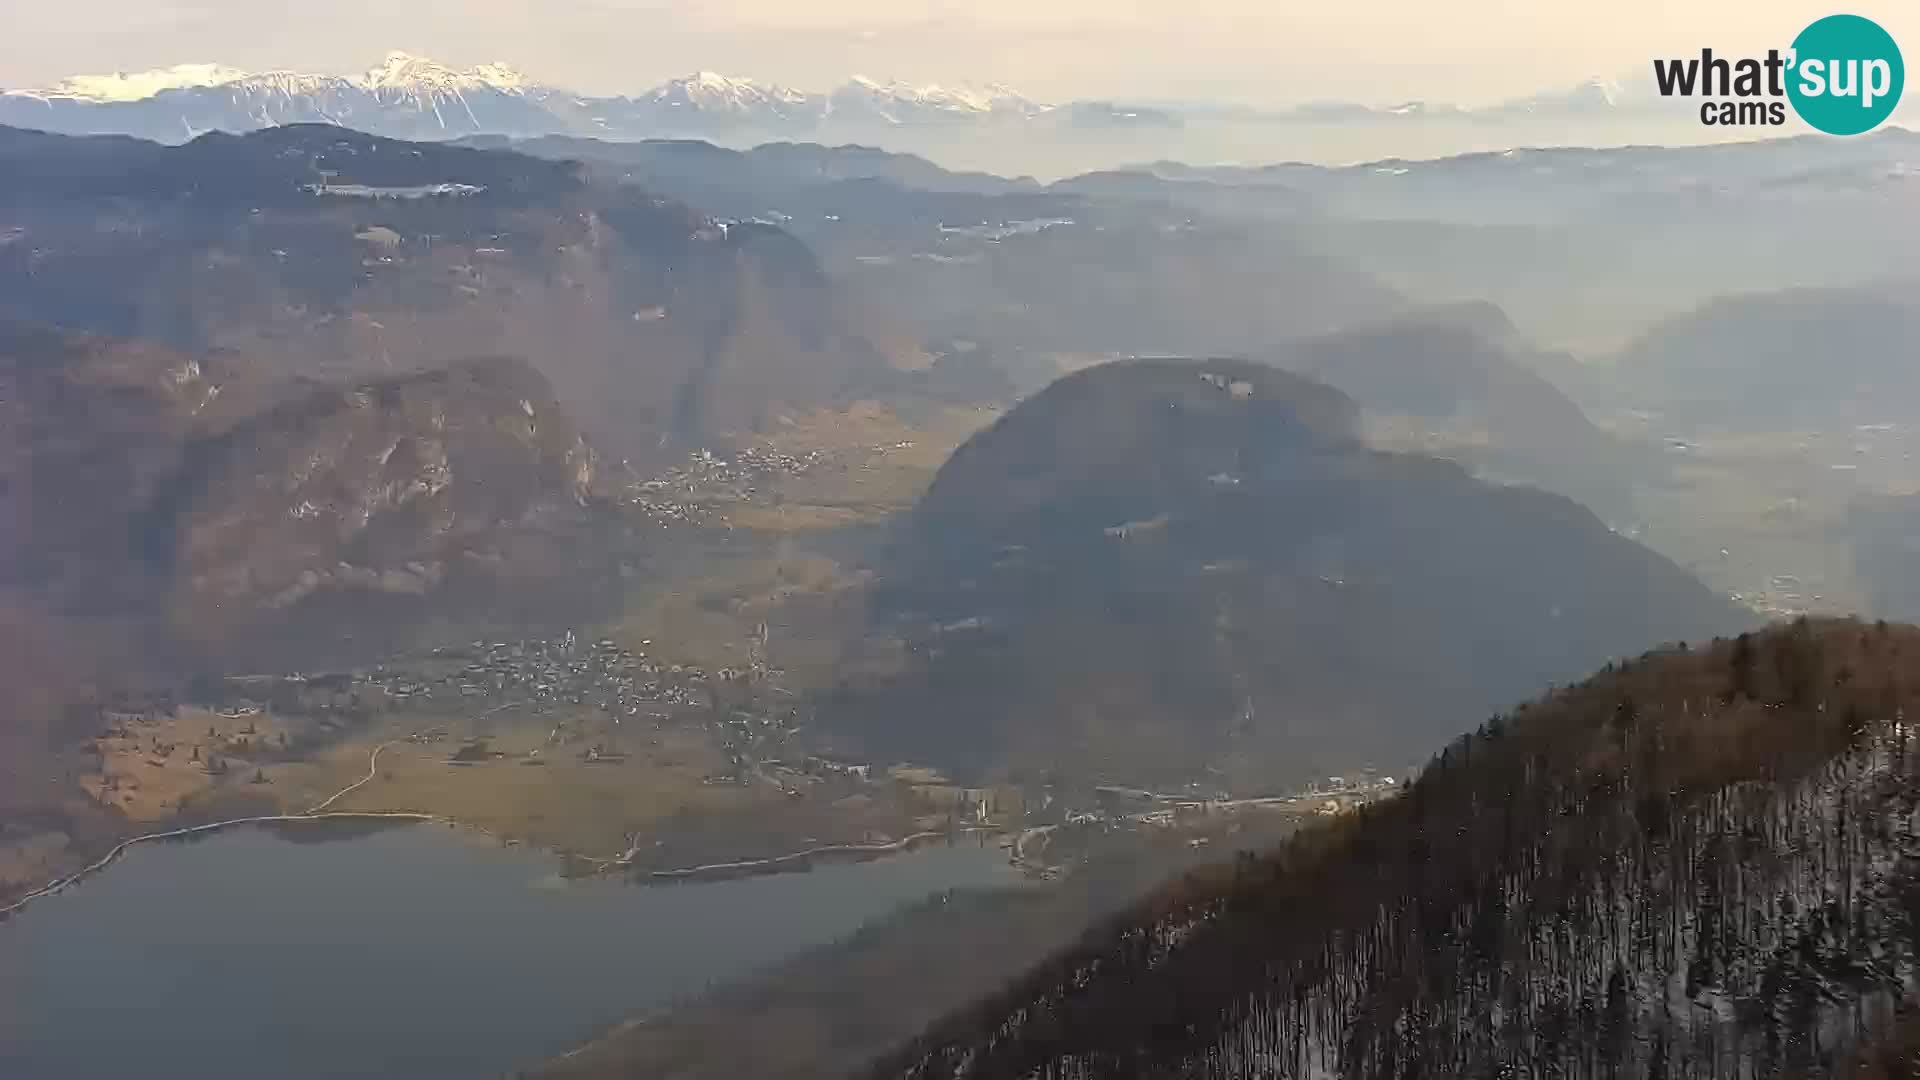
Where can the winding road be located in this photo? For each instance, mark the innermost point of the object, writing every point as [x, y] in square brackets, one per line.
[318, 813]
[373, 768]
[901, 844]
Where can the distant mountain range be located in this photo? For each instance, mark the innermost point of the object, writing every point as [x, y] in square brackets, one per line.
[411, 96]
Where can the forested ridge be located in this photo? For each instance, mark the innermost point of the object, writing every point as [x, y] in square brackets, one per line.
[1159, 569]
[1701, 863]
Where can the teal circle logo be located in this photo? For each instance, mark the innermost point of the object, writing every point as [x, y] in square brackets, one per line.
[1846, 75]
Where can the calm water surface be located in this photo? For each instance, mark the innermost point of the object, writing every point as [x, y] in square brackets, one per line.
[416, 951]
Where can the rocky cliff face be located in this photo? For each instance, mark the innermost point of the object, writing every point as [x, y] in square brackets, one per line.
[144, 482]
[94, 430]
[372, 486]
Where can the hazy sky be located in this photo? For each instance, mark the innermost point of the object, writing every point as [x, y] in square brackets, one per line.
[1256, 51]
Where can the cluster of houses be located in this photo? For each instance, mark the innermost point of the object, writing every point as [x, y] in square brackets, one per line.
[926, 792]
[685, 494]
[559, 671]
[828, 767]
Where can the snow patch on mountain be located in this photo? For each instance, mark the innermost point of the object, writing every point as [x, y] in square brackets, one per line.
[138, 85]
[710, 91]
[418, 76]
[400, 75]
[900, 103]
[283, 84]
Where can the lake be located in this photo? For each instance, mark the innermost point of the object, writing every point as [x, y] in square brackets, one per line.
[417, 950]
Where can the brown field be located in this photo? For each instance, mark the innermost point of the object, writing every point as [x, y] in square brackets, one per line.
[148, 770]
[566, 803]
[797, 541]
[887, 462]
[1771, 510]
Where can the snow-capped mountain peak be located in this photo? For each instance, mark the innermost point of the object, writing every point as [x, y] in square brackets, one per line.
[416, 75]
[713, 82]
[710, 91]
[900, 102]
[140, 85]
[284, 83]
[958, 98]
[408, 80]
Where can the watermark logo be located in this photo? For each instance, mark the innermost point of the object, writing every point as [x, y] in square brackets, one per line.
[1842, 75]
[1850, 75]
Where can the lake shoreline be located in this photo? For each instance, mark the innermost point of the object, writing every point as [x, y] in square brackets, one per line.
[803, 860]
[496, 962]
[266, 820]
[615, 866]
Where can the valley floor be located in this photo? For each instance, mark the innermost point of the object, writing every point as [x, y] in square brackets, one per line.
[662, 744]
